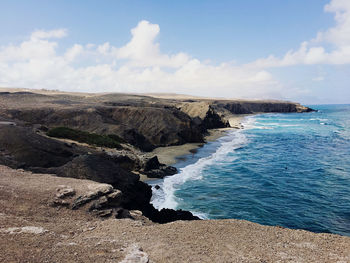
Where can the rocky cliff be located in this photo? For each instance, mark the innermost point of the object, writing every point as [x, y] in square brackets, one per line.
[136, 124]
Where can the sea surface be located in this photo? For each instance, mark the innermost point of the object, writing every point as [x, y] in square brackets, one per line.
[291, 170]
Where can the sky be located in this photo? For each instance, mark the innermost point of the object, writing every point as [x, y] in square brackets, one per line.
[253, 49]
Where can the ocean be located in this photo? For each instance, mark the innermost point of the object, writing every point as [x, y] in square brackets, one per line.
[290, 170]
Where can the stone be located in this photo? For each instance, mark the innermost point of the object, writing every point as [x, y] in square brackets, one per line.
[99, 203]
[152, 163]
[135, 255]
[64, 191]
[123, 213]
[104, 213]
[161, 172]
[59, 202]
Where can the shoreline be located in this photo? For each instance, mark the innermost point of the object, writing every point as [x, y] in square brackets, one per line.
[170, 155]
[30, 229]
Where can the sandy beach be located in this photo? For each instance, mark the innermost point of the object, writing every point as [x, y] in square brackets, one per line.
[169, 155]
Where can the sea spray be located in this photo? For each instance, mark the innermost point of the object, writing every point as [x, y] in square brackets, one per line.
[289, 170]
[165, 196]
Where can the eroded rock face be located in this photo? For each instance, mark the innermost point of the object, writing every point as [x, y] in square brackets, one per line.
[100, 199]
[22, 148]
[215, 113]
[145, 128]
[100, 168]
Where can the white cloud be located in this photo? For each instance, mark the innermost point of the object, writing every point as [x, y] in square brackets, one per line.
[314, 51]
[142, 67]
[143, 51]
[73, 52]
[319, 78]
[41, 34]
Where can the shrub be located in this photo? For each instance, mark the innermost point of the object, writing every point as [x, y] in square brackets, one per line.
[110, 141]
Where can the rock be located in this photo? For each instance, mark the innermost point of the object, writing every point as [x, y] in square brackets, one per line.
[157, 187]
[64, 191]
[27, 149]
[59, 202]
[100, 189]
[100, 168]
[115, 198]
[97, 191]
[151, 163]
[104, 213]
[153, 169]
[136, 213]
[135, 255]
[161, 172]
[138, 140]
[123, 213]
[99, 203]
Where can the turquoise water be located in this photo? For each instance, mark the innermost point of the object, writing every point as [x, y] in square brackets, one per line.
[291, 170]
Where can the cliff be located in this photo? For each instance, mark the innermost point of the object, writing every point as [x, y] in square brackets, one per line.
[104, 138]
[143, 121]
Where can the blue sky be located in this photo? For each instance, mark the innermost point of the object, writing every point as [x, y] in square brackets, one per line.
[207, 48]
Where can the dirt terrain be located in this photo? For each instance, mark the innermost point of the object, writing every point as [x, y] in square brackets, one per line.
[32, 230]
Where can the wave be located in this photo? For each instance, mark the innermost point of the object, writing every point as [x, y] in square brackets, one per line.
[165, 196]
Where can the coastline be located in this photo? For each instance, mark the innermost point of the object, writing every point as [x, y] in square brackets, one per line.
[30, 229]
[170, 155]
[38, 220]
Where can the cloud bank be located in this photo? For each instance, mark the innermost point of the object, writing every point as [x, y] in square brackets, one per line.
[141, 66]
[312, 52]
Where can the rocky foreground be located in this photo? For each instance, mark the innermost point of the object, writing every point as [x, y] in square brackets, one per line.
[45, 218]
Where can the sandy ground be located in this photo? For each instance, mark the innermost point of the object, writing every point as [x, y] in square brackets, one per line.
[171, 154]
[32, 231]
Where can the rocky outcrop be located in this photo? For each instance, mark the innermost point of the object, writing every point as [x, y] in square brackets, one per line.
[153, 169]
[216, 114]
[208, 116]
[21, 147]
[145, 128]
[250, 107]
[142, 121]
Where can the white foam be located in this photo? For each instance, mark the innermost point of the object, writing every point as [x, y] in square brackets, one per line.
[165, 196]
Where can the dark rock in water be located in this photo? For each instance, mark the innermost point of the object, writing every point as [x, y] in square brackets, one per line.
[157, 187]
[169, 215]
[151, 163]
[154, 169]
[161, 172]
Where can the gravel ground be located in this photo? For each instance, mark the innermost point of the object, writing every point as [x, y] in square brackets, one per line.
[33, 231]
